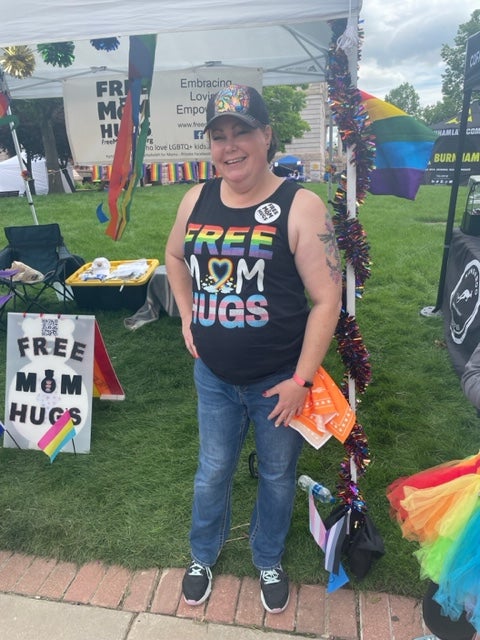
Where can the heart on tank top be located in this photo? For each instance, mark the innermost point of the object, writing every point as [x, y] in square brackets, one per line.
[220, 270]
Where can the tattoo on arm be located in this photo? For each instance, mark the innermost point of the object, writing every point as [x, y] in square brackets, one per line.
[331, 250]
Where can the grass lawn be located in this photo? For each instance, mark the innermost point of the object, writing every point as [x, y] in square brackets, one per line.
[128, 500]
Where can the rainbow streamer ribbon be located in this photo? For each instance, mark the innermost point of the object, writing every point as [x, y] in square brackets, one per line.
[127, 164]
[61, 432]
[403, 148]
[96, 173]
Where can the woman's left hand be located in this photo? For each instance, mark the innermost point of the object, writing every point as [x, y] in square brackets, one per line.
[291, 398]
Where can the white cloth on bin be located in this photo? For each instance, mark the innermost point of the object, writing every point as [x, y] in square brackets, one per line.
[159, 296]
[129, 270]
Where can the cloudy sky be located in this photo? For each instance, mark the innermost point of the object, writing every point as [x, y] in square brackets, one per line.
[403, 41]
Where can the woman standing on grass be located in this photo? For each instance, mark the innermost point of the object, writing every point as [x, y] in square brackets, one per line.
[242, 251]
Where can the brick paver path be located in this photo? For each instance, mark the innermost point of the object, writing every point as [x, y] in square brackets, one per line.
[342, 615]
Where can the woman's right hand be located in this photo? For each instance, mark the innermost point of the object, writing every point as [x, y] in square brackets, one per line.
[187, 336]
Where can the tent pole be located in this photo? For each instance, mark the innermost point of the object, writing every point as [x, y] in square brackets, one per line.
[16, 144]
[22, 166]
[351, 195]
[453, 201]
[330, 152]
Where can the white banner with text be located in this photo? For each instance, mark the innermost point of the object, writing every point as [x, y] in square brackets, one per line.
[178, 100]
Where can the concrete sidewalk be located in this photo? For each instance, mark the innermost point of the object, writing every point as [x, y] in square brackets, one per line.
[49, 600]
[28, 619]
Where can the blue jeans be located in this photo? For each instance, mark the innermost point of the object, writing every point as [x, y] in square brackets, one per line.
[224, 414]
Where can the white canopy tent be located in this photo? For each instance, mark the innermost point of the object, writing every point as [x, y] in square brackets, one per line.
[288, 40]
[11, 179]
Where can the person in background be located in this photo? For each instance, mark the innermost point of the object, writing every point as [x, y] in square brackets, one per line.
[245, 250]
[341, 192]
[329, 174]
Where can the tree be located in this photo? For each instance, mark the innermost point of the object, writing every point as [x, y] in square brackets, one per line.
[41, 133]
[284, 103]
[432, 114]
[454, 58]
[406, 98]
[452, 79]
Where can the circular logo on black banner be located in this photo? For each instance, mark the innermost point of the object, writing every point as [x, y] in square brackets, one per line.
[464, 301]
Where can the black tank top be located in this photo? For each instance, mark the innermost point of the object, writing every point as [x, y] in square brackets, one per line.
[249, 304]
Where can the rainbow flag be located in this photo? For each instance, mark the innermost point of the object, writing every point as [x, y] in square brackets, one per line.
[204, 170]
[96, 173]
[403, 149]
[156, 172]
[61, 432]
[188, 171]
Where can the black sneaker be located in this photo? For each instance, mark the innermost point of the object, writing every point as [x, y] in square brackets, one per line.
[274, 589]
[196, 584]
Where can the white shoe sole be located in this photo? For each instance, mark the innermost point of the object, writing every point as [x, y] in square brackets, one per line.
[279, 610]
[196, 603]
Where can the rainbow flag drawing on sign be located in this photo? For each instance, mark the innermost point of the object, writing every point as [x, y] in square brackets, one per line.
[61, 432]
[403, 149]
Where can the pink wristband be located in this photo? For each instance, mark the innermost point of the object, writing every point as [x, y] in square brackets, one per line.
[301, 382]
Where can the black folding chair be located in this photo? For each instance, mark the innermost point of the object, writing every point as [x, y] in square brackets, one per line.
[6, 291]
[42, 248]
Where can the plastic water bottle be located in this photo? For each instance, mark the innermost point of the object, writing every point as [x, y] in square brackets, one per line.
[320, 492]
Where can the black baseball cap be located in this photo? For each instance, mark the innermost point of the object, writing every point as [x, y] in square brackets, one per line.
[240, 101]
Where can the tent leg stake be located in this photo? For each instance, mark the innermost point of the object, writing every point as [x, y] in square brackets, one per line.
[431, 312]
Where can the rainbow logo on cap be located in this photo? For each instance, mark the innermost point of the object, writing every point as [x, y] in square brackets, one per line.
[233, 100]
